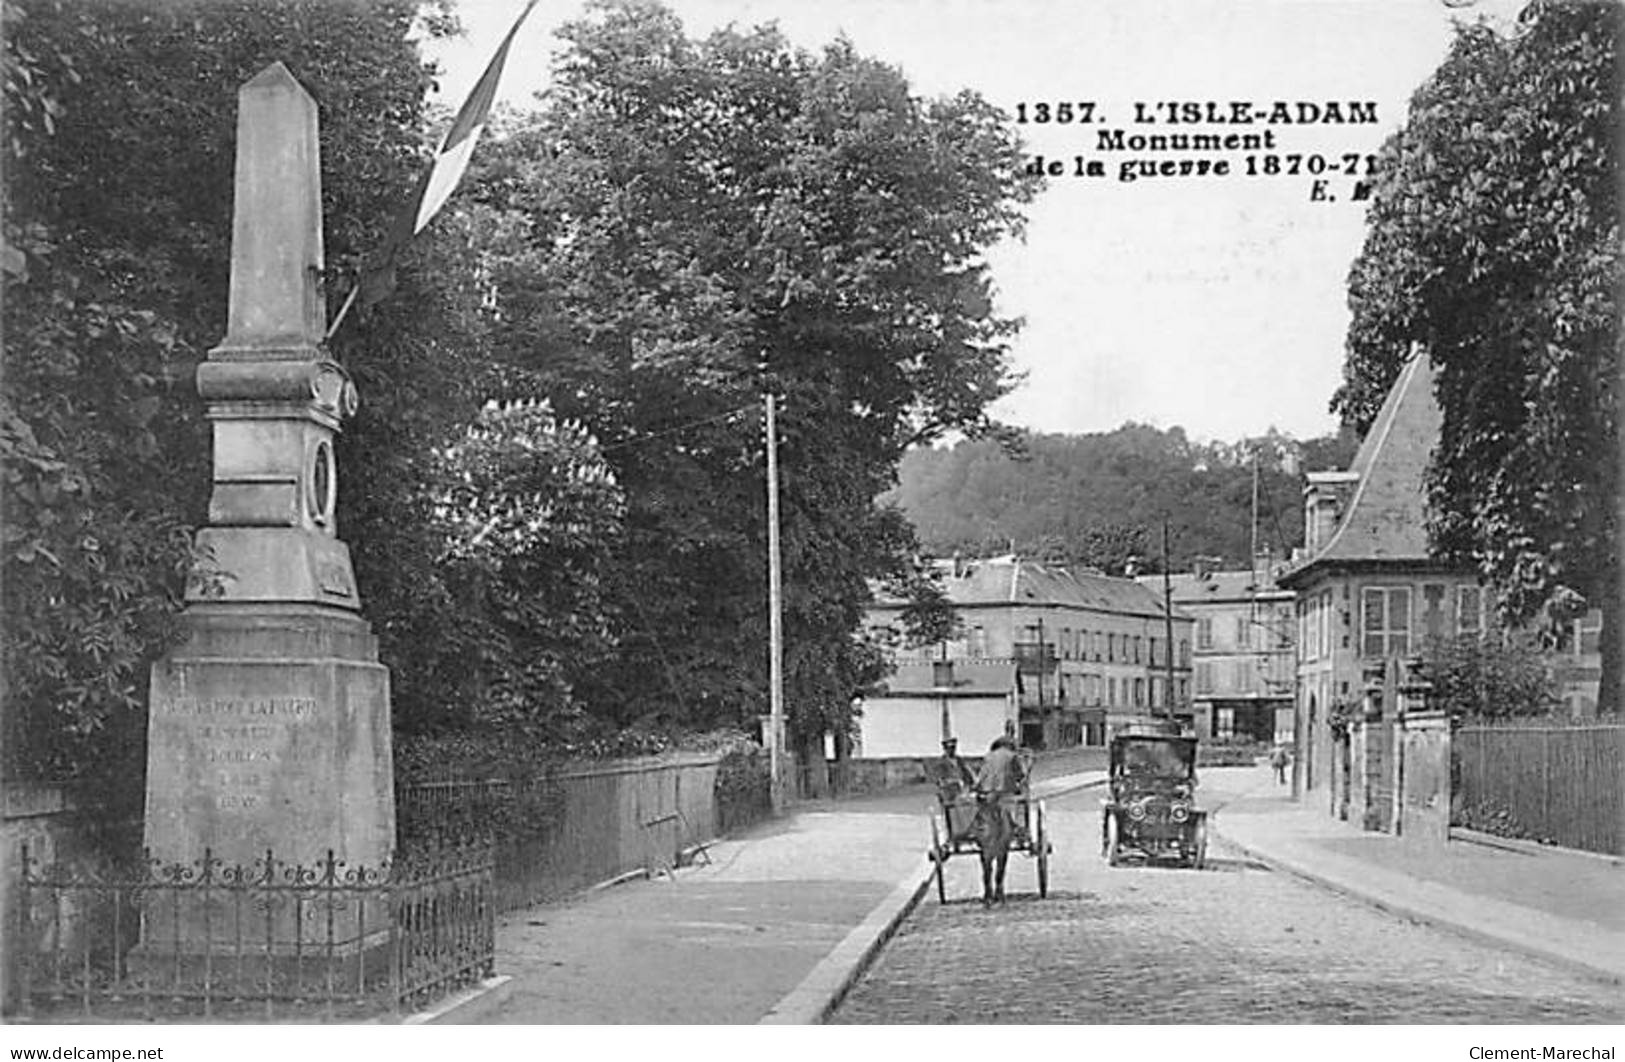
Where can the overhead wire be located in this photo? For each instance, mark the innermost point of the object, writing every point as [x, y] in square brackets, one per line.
[625, 443]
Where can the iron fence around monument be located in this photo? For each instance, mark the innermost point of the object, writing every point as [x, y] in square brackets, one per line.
[269, 940]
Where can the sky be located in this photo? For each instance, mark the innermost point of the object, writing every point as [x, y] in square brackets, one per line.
[1212, 303]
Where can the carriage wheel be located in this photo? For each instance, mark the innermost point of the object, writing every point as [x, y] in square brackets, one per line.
[938, 855]
[1199, 854]
[1041, 839]
[1112, 840]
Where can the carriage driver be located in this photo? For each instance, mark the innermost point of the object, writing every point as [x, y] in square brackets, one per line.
[953, 777]
[1004, 776]
[952, 774]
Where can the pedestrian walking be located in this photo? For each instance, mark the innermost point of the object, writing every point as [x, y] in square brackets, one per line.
[1278, 760]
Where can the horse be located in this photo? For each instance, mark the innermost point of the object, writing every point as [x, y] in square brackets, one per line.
[993, 832]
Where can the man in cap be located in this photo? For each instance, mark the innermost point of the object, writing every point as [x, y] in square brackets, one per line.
[953, 777]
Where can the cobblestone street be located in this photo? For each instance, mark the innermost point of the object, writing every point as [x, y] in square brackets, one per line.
[1234, 943]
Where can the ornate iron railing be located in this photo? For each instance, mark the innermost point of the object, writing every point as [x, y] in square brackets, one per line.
[265, 940]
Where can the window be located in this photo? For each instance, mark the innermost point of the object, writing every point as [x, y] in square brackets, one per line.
[1204, 678]
[1204, 633]
[1111, 691]
[1433, 612]
[1139, 693]
[1283, 629]
[1244, 632]
[1066, 643]
[1325, 628]
[1184, 653]
[1153, 651]
[1137, 640]
[1111, 648]
[978, 642]
[1469, 610]
[1385, 626]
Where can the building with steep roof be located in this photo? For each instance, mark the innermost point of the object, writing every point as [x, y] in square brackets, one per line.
[1368, 591]
[1074, 653]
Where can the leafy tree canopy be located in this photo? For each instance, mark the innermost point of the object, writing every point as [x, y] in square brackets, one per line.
[1494, 247]
[120, 141]
[686, 225]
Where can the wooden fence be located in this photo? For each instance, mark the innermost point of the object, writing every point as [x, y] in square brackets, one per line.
[1559, 784]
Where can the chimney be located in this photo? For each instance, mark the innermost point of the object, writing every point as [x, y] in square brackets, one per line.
[1325, 499]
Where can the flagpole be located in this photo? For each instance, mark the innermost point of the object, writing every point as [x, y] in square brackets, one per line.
[349, 300]
[775, 734]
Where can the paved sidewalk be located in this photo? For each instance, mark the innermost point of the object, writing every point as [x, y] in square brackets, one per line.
[1556, 905]
[773, 928]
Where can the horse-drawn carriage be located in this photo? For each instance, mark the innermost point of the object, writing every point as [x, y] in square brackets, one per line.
[968, 822]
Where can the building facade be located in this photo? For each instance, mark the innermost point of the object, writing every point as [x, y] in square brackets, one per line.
[1080, 653]
[1370, 598]
[1243, 660]
[1369, 592]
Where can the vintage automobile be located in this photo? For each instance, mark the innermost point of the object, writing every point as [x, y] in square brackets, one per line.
[1152, 814]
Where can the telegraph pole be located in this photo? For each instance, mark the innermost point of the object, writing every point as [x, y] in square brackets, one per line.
[775, 605]
[1168, 620]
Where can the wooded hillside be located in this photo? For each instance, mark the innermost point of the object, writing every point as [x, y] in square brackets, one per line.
[1099, 499]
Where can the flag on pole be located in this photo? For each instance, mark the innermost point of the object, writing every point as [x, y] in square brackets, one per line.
[444, 172]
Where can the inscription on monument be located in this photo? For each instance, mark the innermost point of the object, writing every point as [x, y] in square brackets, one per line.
[240, 739]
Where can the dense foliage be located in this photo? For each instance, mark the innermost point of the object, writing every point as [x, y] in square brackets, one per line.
[121, 131]
[1489, 678]
[1100, 499]
[687, 225]
[119, 147]
[1494, 246]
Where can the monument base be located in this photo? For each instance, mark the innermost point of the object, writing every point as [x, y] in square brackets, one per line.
[268, 761]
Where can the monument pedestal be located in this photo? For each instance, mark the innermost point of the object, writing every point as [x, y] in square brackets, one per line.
[269, 753]
[270, 731]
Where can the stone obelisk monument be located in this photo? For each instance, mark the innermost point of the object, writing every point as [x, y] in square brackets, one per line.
[269, 728]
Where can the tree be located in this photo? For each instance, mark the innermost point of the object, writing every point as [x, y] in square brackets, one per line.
[528, 511]
[1494, 247]
[120, 142]
[687, 225]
